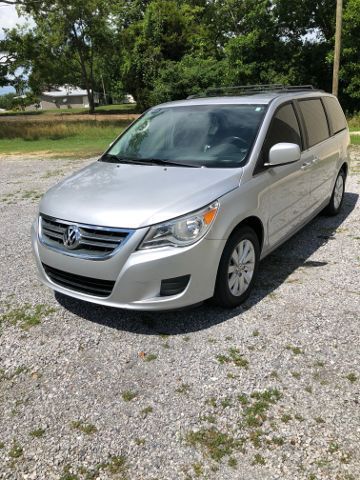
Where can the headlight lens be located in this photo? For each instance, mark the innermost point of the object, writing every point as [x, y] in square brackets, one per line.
[181, 232]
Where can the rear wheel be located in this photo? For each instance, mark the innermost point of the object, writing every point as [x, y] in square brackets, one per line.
[337, 196]
[238, 268]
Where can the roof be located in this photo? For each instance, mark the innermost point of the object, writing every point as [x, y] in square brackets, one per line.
[66, 91]
[256, 99]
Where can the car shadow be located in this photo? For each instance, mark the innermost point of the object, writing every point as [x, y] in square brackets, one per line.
[273, 271]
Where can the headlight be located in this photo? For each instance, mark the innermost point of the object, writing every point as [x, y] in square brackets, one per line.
[183, 231]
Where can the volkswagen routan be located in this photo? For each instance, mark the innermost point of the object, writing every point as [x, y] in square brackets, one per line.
[186, 201]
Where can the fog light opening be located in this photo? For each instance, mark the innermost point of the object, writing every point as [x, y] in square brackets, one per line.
[174, 286]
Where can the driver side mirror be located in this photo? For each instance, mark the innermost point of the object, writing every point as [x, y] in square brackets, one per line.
[283, 154]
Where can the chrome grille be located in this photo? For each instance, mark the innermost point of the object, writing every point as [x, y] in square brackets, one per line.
[96, 243]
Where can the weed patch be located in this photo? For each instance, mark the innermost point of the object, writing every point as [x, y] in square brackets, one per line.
[83, 427]
[26, 316]
[127, 396]
[235, 357]
[214, 443]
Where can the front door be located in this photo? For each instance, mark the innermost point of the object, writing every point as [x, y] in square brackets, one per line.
[288, 193]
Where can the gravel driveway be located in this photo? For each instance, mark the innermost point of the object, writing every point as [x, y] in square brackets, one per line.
[267, 391]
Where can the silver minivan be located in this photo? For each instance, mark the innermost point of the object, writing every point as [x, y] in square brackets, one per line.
[187, 201]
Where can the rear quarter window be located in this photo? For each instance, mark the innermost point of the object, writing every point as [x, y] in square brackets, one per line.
[335, 114]
[315, 120]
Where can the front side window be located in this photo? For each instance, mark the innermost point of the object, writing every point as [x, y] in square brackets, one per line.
[315, 120]
[284, 128]
[217, 136]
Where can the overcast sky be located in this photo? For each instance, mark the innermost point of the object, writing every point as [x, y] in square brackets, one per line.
[8, 18]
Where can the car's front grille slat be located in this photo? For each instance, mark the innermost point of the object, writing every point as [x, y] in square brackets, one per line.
[52, 227]
[52, 234]
[80, 283]
[93, 242]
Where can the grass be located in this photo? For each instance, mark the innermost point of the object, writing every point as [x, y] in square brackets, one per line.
[116, 466]
[351, 377]
[208, 418]
[295, 350]
[37, 433]
[146, 411]
[354, 123]
[279, 441]
[214, 443]
[26, 316]
[16, 450]
[68, 139]
[198, 469]
[255, 412]
[258, 460]
[234, 357]
[184, 388]
[285, 418]
[18, 371]
[150, 357]
[83, 427]
[126, 108]
[128, 395]
[232, 462]
[355, 139]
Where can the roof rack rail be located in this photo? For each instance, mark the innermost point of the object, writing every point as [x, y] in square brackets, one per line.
[250, 90]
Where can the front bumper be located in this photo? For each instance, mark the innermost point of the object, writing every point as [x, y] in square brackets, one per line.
[138, 273]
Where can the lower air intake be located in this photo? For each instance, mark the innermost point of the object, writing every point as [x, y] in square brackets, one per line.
[79, 283]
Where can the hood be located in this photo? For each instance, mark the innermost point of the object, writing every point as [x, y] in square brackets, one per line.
[135, 196]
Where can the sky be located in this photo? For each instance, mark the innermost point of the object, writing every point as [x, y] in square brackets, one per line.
[8, 19]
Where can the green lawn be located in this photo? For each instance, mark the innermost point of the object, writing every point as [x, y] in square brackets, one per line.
[67, 139]
[354, 123]
[70, 138]
[126, 108]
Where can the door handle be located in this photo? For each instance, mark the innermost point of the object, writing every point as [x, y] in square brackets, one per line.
[306, 165]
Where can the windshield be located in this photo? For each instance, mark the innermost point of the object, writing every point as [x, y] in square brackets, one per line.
[217, 136]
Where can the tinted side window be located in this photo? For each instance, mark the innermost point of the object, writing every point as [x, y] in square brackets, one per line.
[335, 114]
[315, 120]
[284, 128]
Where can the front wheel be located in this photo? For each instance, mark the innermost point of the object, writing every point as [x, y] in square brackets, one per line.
[238, 268]
[337, 196]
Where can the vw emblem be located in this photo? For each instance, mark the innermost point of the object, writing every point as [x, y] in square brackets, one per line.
[72, 237]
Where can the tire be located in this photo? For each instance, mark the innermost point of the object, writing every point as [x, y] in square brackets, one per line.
[235, 279]
[337, 197]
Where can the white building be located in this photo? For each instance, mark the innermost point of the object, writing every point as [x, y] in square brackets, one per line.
[66, 97]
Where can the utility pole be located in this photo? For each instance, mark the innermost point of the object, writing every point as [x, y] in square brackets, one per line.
[338, 31]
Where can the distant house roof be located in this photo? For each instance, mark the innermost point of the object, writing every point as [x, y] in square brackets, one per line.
[66, 91]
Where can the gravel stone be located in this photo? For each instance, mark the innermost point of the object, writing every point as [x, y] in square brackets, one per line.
[299, 332]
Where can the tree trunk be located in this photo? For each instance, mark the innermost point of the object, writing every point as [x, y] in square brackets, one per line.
[89, 82]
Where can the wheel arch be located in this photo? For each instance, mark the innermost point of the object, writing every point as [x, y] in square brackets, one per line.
[345, 168]
[256, 224]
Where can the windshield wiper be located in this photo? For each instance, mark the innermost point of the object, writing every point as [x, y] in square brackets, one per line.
[110, 158]
[161, 161]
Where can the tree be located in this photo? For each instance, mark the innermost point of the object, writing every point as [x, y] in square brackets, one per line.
[350, 70]
[7, 100]
[71, 34]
